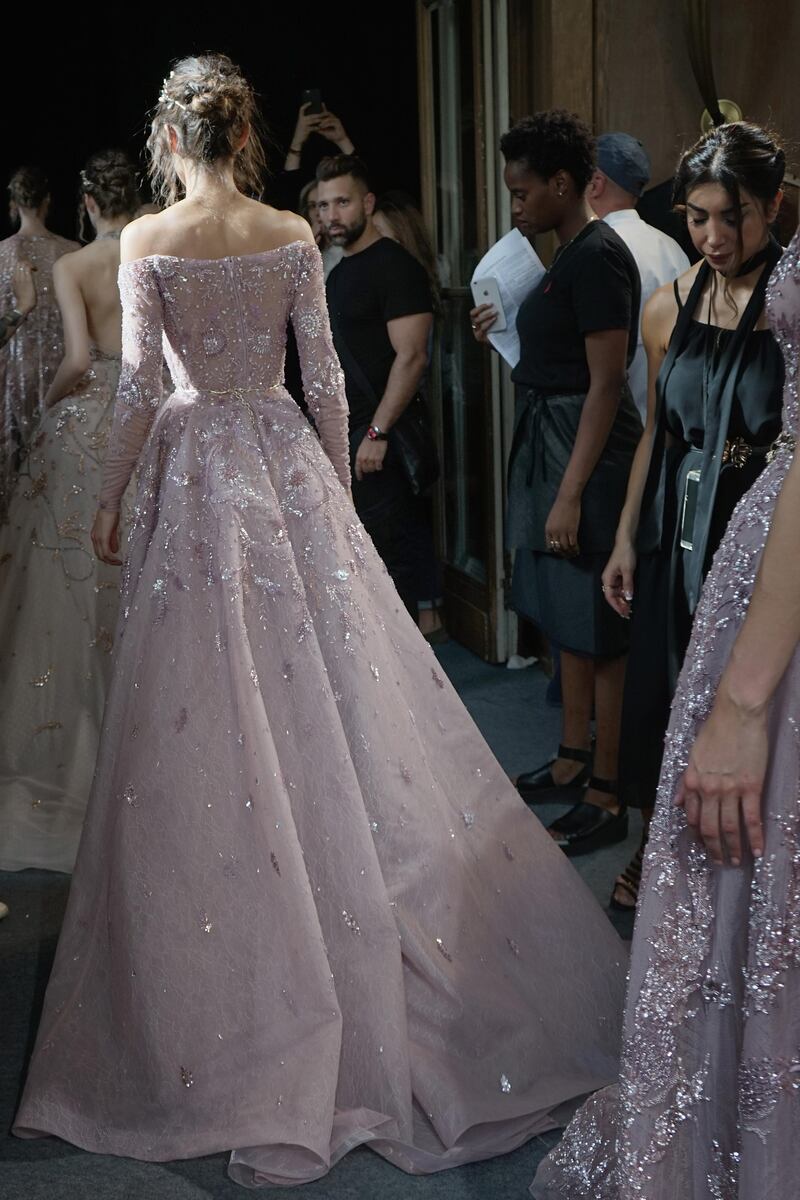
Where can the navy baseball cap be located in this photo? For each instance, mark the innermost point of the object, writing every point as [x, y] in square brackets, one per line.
[624, 159]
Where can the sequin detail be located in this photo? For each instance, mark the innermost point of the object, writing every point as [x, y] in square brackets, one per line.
[716, 958]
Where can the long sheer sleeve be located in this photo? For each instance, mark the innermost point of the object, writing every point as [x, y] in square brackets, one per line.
[323, 379]
[141, 377]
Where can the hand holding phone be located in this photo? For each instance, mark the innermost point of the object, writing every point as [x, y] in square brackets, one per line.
[486, 291]
[311, 102]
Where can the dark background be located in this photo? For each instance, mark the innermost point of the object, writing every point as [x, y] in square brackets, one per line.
[83, 79]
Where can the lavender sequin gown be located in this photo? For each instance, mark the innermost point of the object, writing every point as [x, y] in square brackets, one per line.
[309, 911]
[30, 360]
[708, 1103]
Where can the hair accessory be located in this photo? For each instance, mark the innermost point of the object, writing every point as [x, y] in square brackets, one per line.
[86, 182]
[164, 98]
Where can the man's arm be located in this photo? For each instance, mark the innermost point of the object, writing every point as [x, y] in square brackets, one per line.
[409, 337]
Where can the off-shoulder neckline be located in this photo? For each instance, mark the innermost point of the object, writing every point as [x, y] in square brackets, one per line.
[221, 258]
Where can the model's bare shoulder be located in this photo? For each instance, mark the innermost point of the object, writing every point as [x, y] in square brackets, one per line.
[282, 226]
[140, 237]
[658, 318]
[68, 265]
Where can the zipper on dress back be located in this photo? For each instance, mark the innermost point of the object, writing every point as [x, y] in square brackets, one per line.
[235, 283]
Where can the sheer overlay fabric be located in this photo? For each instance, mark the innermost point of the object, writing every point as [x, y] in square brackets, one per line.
[309, 911]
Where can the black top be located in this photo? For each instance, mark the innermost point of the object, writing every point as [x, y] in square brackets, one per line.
[593, 284]
[713, 386]
[758, 397]
[365, 291]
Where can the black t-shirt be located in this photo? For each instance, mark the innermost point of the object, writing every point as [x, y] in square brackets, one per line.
[366, 290]
[593, 284]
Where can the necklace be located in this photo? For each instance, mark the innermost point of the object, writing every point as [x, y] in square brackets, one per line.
[562, 249]
[113, 235]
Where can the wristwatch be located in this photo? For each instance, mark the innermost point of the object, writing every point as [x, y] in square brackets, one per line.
[377, 435]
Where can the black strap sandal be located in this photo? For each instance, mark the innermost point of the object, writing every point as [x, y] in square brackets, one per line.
[630, 879]
[588, 827]
[628, 882]
[539, 787]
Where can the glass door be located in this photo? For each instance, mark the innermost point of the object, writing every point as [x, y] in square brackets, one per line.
[459, 80]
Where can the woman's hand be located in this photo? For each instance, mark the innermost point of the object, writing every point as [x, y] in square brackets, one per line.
[307, 123]
[721, 788]
[24, 287]
[105, 537]
[561, 527]
[618, 578]
[332, 128]
[482, 319]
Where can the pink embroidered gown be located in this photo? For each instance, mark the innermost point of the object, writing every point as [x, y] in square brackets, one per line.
[708, 1103]
[309, 910]
[30, 360]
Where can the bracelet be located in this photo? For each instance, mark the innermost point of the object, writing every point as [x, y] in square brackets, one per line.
[377, 435]
[294, 150]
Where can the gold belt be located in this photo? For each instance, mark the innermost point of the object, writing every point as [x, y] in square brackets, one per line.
[737, 451]
[240, 395]
[784, 441]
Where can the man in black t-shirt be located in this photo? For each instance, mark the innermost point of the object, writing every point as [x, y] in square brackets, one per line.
[381, 311]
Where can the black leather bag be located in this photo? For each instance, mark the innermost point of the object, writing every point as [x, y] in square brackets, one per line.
[415, 448]
[411, 436]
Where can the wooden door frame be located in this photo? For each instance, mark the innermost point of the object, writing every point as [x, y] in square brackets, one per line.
[473, 611]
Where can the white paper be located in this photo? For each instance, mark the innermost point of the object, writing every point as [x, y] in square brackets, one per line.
[517, 268]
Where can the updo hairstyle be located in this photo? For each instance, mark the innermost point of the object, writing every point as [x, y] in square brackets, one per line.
[209, 104]
[111, 179]
[28, 187]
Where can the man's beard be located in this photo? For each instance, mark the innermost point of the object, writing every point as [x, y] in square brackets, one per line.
[349, 235]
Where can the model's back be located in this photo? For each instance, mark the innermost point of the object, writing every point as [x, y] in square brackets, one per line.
[94, 271]
[86, 281]
[223, 318]
[221, 223]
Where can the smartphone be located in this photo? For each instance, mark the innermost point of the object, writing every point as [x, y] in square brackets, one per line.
[313, 97]
[486, 291]
[689, 509]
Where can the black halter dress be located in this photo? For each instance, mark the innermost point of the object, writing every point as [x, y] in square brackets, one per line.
[719, 398]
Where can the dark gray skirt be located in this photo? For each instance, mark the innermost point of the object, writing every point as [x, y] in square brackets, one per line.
[563, 597]
[545, 428]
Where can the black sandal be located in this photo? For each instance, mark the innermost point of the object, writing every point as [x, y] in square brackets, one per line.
[538, 787]
[631, 878]
[588, 827]
[628, 882]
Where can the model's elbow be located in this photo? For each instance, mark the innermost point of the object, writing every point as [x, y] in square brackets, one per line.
[76, 366]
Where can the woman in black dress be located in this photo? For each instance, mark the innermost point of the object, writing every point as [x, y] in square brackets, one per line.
[575, 436]
[716, 384]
